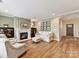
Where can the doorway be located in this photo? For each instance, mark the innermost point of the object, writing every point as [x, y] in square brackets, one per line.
[33, 32]
[70, 29]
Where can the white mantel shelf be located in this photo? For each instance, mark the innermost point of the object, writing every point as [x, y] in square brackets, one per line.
[23, 40]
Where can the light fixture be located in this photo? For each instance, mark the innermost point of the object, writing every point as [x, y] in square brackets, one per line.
[6, 25]
[32, 24]
[6, 11]
[25, 25]
[3, 11]
[53, 14]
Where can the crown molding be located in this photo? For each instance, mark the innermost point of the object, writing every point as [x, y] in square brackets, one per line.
[68, 13]
[61, 15]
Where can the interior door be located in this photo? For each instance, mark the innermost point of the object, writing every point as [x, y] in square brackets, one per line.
[69, 29]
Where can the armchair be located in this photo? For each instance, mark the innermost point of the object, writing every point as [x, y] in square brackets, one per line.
[15, 50]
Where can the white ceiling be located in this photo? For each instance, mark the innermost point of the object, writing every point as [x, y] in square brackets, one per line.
[37, 9]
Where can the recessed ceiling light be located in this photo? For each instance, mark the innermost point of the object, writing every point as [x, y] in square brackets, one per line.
[53, 14]
[6, 11]
[3, 11]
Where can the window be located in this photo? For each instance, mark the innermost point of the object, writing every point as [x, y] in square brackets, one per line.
[45, 26]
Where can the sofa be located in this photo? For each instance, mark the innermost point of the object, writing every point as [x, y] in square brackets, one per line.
[10, 50]
[45, 36]
[3, 51]
[15, 50]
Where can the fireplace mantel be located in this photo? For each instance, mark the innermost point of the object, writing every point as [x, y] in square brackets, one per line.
[19, 40]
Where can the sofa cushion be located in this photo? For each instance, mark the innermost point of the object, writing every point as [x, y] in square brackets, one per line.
[18, 45]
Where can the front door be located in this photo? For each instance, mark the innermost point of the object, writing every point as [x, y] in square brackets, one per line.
[69, 29]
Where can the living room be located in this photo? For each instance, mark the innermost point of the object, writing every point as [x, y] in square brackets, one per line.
[39, 29]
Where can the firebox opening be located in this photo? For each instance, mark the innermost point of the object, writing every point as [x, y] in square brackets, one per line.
[23, 35]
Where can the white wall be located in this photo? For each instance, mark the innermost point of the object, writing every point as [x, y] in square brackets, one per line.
[6, 20]
[76, 26]
[38, 27]
[55, 28]
[60, 28]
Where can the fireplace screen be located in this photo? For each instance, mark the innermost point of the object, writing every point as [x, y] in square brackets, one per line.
[23, 35]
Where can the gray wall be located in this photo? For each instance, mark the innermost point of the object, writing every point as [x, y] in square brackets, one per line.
[6, 20]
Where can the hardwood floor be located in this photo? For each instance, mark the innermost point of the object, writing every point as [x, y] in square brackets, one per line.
[68, 47]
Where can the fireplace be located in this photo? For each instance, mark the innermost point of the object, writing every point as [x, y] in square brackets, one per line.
[23, 35]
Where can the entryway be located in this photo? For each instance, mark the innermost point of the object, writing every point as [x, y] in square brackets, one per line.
[69, 29]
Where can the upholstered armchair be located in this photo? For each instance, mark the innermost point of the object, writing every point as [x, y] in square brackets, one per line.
[15, 50]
